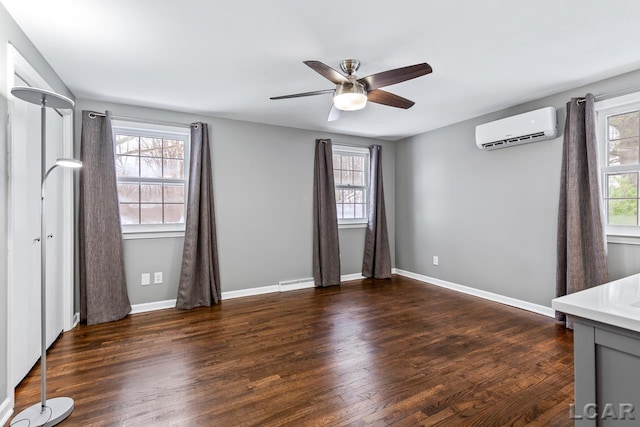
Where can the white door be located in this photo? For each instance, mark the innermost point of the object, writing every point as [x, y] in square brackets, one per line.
[24, 182]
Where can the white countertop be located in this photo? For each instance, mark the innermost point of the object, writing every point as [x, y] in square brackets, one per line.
[615, 303]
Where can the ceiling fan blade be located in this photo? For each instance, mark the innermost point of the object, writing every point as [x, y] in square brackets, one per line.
[327, 72]
[334, 114]
[299, 95]
[387, 78]
[381, 97]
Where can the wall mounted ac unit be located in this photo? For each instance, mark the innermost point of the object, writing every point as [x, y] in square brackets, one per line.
[533, 126]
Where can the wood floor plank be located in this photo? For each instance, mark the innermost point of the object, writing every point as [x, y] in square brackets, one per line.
[366, 353]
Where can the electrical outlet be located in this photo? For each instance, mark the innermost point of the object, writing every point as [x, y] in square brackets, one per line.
[157, 277]
[145, 279]
[435, 260]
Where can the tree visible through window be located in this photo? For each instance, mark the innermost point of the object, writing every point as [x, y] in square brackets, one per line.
[621, 192]
[151, 178]
[350, 172]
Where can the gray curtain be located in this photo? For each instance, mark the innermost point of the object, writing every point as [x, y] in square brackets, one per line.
[377, 257]
[199, 278]
[582, 261]
[326, 248]
[103, 289]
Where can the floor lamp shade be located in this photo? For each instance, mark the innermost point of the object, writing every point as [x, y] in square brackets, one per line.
[39, 96]
[53, 411]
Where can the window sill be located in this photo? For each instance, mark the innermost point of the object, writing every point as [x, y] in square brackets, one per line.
[135, 235]
[623, 240]
[352, 225]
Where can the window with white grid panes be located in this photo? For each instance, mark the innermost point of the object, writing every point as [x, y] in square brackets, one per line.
[151, 173]
[618, 122]
[351, 179]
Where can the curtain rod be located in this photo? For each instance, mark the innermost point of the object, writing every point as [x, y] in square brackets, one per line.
[607, 95]
[351, 145]
[94, 114]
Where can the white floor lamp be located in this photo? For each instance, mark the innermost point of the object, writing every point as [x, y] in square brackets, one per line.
[53, 411]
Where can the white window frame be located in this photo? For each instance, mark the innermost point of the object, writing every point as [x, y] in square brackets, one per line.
[605, 109]
[134, 128]
[360, 151]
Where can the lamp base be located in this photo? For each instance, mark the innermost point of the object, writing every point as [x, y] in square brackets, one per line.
[56, 411]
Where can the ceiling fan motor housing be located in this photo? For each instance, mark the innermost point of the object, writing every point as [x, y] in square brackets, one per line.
[349, 66]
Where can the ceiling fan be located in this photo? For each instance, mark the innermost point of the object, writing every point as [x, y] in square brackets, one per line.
[352, 93]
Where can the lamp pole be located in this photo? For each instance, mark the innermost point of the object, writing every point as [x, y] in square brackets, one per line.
[43, 256]
[54, 411]
[43, 290]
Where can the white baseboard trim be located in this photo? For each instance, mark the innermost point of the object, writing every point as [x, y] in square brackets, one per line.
[6, 409]
[349, 277]
[284, 287]
[513, 302]
[250, 292]
[152, 306]
[281, 287]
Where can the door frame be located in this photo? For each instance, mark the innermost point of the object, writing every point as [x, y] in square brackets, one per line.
[17, 64]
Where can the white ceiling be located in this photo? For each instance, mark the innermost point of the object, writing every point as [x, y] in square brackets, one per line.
[226, 58]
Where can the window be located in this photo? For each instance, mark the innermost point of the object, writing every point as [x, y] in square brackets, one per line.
[152, 169]
[351, 176]
[618, 122]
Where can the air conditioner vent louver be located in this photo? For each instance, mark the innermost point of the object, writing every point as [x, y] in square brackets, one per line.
[533, 126]
[520, 139]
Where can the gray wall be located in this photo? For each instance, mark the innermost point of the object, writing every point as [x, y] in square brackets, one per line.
[263, 180]
[11, 33]
[490, 216]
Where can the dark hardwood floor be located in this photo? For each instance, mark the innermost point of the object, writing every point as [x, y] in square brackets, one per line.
[388, 352]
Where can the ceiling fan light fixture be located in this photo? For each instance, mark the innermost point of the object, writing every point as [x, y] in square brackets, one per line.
[350, 97]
